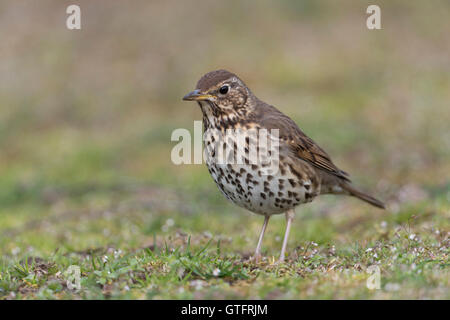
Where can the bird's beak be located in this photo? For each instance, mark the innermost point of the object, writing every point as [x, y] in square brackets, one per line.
[196, 95]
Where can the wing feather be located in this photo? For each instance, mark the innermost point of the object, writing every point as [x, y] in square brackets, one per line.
[302, 146]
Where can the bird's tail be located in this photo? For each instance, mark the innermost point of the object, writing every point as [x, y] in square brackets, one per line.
[363, 196]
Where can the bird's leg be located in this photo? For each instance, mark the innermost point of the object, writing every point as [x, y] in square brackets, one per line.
[257, 255]
[289, 217]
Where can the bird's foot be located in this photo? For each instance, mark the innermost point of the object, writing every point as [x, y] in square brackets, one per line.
[256, 258]
[280, 260]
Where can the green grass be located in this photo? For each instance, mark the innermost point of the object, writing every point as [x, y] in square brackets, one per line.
[86, 178]
[156, 246]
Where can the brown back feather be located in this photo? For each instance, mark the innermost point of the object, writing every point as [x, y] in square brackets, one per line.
[302, 146]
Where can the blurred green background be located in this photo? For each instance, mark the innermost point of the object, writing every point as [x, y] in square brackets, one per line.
[86, 118]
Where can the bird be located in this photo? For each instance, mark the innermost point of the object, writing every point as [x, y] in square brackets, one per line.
[303, 171]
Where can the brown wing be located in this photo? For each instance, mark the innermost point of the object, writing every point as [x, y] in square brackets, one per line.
[301, 145]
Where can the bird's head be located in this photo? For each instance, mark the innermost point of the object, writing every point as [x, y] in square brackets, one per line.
[221, 91]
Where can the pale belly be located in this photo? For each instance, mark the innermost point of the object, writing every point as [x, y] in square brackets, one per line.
[249, 187]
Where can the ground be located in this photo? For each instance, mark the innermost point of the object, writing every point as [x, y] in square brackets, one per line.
[87, 180]
[193, 245]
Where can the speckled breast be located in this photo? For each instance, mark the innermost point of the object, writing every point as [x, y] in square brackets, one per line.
[256, 189]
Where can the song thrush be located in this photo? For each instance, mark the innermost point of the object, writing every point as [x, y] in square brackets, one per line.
[304, 169]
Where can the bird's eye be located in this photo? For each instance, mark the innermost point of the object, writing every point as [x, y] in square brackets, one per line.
[224, 89]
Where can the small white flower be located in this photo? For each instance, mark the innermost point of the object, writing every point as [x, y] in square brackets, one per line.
[412, 236]
[383, 224]
[216, 272]
[117, 253]
[170, 222]
[314, 244]
[333, 249]
[369, 249]
[126, 288]
[105, 259]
